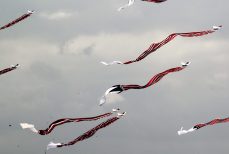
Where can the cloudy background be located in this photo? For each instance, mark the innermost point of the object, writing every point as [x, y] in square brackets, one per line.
[59, 49]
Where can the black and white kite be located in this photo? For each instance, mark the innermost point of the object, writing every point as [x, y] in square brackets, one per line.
[198, 126]
[120, 88]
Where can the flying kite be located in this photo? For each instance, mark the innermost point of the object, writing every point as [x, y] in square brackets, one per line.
[153, 47]
[120, 88]
[87, 134]
[24, 16]
[63, 121]
[198, 126]
[131, 2]
[13, 67]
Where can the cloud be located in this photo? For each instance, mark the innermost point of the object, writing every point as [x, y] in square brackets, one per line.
[59, 15]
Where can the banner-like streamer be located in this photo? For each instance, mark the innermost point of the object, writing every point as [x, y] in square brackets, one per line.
[24, 16]
[198, 126]
[87, 134]
[13, 67]
[63, 121]
[153, 47]
[120, 88]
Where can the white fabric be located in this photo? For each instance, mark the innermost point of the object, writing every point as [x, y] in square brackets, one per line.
[28, 126]
[111, 63]
[103, 98]
[30, 11]
[121, 114]
[17, 65]
[216, 27]
[184, 64]
[181, 131]
[52, 145]
[115, 110]
[131, 2]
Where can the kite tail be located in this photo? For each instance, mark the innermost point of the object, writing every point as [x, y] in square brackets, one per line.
[155, 46]
[29, 126]
[87, 134]
[26, 15]
[13, 67]
[181, 131]
[63, 121]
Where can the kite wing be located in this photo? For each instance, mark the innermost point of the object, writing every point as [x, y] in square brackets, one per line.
[24, 16]
[13, 67]
[198, 126]
[120, 88]
[154, 46]
[63, 121]
[87, 134]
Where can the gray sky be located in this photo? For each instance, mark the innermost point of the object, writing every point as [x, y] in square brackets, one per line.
[59, 49]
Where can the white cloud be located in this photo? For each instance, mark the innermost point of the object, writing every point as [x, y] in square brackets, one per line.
[59, 15]
[26, 51]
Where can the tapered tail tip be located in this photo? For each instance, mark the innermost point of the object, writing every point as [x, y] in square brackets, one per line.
[52, 145]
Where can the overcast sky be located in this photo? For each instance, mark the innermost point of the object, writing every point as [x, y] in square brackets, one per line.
[59, 49]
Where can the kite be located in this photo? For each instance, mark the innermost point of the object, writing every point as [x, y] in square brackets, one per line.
[87, 134]
[63, 121]
[24, 16]
[120, 88]
[131, 2]
[198, 126]
[13, 67]
[153, 47]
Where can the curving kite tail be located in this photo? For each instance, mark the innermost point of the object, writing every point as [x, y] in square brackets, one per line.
[13, 67]
[198, 126]
[153, 47]
[87, 134]
[24, 16]
[120, 88]
[63, 121]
